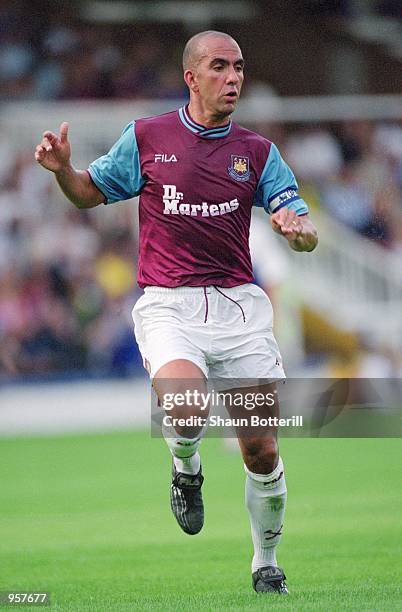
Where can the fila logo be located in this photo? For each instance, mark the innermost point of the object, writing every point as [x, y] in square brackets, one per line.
[164, 157]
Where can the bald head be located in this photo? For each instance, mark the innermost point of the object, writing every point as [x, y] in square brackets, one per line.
[196, 47]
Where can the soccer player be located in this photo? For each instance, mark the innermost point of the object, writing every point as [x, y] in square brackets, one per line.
[198, 175]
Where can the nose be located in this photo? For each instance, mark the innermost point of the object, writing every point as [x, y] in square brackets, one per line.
[232, 76]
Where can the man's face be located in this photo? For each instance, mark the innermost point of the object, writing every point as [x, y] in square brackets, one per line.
[218, 75]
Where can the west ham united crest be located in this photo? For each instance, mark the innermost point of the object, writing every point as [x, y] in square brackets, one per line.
[239, 168]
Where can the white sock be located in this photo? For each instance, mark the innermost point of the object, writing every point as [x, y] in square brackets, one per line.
[185, 452]
[265, 501]
[188, 465]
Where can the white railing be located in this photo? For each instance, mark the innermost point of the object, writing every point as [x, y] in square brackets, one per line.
[355, 283]
[101, 121]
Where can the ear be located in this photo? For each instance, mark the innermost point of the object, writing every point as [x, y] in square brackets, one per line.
[191, 80]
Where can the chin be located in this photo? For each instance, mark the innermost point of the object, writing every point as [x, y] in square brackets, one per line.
[228, 108]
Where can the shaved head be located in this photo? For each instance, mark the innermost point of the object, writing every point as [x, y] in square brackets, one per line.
[214, 72]
[195, 48]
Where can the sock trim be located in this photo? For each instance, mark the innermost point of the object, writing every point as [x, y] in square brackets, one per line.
[268, 479]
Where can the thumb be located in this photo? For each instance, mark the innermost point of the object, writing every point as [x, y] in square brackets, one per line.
[64, 132]
[276, 219]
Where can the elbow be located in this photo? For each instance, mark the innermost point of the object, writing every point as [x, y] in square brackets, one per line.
[84, 204]
[79, 205]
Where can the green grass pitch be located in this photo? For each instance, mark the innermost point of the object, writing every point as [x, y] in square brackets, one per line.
[88, 519]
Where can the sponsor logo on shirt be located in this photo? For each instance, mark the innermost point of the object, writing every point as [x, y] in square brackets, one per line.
[173, 205]
[165, 158]
[239, 168]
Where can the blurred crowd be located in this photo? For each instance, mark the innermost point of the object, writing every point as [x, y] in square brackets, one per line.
[67, 277]
[56, 51]
[351, 8]
[55, 56]
[67, 282]
[354, 172]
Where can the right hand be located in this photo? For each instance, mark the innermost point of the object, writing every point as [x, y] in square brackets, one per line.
[54, 152]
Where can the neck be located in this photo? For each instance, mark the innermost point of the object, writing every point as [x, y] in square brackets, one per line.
[206, 118]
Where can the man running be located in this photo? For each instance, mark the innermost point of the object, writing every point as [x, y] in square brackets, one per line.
[198, 175]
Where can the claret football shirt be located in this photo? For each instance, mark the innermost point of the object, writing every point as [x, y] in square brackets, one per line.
[197, 187]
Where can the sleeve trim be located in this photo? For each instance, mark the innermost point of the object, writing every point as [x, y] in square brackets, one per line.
[286, 202]
[292, 189]
[298, 205]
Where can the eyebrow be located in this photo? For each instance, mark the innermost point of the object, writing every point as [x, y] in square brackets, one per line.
[220, 60]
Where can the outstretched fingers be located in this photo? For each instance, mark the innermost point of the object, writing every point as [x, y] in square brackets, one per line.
[47, 143]
[50, 137]
[64, 131]
[287, 223]
[40, 153]
[53, 152]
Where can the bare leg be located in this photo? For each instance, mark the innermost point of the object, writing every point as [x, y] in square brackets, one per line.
[181, 376]
[184, 378]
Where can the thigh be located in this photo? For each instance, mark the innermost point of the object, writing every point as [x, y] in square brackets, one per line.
[260, 402]
[161, 334]
[256, 357]
[248, 351]
[181, 389]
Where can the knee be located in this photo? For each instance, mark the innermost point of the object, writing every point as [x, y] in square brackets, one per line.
[261, 455]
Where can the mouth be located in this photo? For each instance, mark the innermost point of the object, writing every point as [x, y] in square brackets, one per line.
[231, 96]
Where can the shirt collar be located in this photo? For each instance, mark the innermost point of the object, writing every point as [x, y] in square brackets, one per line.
[201, 130]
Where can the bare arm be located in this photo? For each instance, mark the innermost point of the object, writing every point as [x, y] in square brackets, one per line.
[300, 232]
[78, 187]
[54, 154]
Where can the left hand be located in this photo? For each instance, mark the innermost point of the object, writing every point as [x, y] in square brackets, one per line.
[287, 223]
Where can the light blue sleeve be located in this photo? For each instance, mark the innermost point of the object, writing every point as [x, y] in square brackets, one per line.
[118, 173]
[277, 186]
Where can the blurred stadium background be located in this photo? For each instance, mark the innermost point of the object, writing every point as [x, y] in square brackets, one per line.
[324, 82]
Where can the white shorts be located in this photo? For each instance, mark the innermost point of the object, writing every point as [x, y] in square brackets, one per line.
[227, 333]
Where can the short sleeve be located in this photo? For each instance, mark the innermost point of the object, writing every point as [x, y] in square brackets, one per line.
[118, 173]
[277, 186]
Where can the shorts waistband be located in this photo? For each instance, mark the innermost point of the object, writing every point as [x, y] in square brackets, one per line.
[189, 290]
[229, 293]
